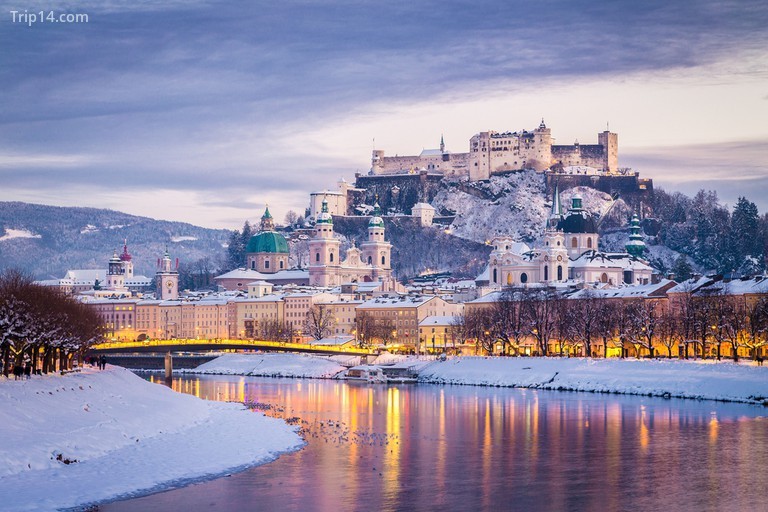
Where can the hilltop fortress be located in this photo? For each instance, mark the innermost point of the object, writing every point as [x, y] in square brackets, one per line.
[494, 153]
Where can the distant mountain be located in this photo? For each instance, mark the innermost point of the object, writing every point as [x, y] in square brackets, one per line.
[46, 241]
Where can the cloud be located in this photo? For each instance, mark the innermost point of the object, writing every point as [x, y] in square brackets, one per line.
[732, 168]
[281, 98]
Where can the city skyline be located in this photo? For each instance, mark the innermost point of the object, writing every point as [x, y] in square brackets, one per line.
[202, 112]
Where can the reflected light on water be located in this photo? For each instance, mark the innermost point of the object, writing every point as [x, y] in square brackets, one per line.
[377, 447]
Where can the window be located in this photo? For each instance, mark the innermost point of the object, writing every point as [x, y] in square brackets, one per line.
[266, 263]
[317, 256]
[589, 243]
[559, 272]
[523, 278]
[546, 273]
[509, 279]
[574, 243]
[383, 260]
[281, 263]
[494, 276]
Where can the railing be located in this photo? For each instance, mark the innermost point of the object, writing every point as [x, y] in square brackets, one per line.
[281, 345]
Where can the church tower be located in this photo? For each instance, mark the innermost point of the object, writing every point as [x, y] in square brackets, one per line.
[635, 246]
[376, 251]
[324, 256]
[167, 279]
[554, 258]
[127, 261]
[115, 273]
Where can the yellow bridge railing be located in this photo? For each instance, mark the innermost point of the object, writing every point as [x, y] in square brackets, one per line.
[230, 343]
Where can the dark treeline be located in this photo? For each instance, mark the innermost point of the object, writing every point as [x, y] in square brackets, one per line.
[714, 238]
[41, 326]
[687, 325]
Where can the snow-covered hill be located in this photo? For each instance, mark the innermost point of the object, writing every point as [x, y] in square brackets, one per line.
[516, 205]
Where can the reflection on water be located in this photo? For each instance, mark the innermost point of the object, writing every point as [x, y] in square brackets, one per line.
[422, 447]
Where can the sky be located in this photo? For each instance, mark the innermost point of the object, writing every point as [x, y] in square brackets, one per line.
[204, 111]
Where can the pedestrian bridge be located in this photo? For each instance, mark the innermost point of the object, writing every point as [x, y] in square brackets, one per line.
[194, 345]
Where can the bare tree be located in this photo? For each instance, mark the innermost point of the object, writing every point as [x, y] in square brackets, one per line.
[541, 308]
[757, 319]
[605, 327]
[320, 321]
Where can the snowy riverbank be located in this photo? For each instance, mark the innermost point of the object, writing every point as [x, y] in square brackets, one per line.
[684, 379]
[94, 436]
[271, 365]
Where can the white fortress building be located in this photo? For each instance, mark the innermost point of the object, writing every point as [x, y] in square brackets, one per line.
[492, 153]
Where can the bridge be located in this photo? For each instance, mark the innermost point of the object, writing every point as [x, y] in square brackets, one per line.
[194, 345]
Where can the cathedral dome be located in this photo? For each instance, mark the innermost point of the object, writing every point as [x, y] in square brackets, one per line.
[269, 242]
[376, 220]
[578, 223]
[577, 220]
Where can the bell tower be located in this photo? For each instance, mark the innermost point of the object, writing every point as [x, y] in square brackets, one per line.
[376, 251]
[324, 256]
[167, 279]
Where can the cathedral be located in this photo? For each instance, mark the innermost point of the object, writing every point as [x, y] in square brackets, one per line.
[371, 262]
[570, 253]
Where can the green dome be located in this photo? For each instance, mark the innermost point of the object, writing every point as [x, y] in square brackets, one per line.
[268, 241]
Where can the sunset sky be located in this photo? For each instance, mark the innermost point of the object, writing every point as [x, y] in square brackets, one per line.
[203, 111]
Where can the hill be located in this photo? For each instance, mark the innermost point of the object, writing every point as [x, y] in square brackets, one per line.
[46, 241]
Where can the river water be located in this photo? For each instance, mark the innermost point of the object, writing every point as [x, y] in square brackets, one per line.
[428, 447]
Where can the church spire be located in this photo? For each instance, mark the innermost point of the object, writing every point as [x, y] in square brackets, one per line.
[267, 222]
[442, 144]
[636, 245]
[556, 215]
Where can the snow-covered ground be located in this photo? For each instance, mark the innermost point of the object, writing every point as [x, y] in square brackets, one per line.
[271, 365]
[684, 379]
[94, 436]
[18, 233]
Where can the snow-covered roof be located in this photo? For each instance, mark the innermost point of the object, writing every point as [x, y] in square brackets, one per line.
[609, 260]
[437, 320]
[334, 340]
[253, 275]
[395, 302]
[430, 152]
[625, 292]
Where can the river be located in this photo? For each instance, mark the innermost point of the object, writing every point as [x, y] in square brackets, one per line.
[428, 447]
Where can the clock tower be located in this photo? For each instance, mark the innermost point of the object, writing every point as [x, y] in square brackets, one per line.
[167, 279]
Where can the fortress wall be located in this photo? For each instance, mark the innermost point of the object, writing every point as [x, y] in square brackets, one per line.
[591, 155]
[634, 191]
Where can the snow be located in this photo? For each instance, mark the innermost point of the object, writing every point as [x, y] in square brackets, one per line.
[271, 365]
[683, 379]
[176, 239]
[127, 435]
[18, 233]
